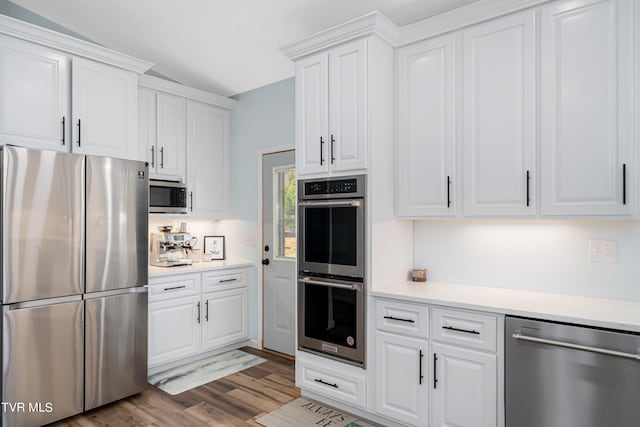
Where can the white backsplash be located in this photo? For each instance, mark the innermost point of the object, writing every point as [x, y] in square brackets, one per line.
[547, 256]
[196, 226]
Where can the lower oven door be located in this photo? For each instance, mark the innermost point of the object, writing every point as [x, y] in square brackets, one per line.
[331, 318]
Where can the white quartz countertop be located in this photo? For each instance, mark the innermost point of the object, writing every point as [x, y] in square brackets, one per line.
[606, 313]
[197, 267]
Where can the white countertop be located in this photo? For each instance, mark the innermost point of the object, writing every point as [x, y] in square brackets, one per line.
[606, 313]
[196, 268]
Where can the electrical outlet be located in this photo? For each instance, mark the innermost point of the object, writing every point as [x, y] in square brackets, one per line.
[603, 251]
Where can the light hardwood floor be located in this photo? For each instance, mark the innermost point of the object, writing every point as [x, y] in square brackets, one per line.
[231, 401]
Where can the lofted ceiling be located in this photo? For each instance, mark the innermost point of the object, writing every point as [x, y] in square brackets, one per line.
[223, 46]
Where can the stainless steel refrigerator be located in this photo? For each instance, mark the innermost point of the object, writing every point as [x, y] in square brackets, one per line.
[74, 276]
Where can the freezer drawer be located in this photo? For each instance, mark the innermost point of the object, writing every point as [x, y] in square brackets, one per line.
[42, 362]
[115, 347]
[42, 224]
[117, 217]
[571, 376]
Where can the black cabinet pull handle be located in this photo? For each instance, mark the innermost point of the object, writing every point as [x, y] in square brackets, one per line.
[153, 156]
[448, 191]
[435, 371]
[399, 319]
[318, 380]
[191, 201]
[79, 132]
[332, 141]
[321, 146]
[175, 287]
[206, 310]
[467, 331]
[64, 130]
[624, 183]
[420, 368]
[528, 192]
[198, 311]
[228, 280]
[161, 157]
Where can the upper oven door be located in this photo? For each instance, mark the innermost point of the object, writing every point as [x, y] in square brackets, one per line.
[332, 237]
[167, 197]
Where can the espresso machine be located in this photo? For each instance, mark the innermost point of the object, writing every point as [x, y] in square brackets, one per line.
[170, 249]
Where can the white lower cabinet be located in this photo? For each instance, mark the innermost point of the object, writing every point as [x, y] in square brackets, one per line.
[464, 392]
[401, 378]
[184, 322]
[437, 366]
[173, 329]
[225, 317]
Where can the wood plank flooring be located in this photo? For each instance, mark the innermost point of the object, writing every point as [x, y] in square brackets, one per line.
[231, 401]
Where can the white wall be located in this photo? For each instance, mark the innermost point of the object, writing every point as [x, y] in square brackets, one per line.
[548, 256]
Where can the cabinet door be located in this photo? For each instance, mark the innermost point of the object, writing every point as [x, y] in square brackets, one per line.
[426, 127]
[225, 318]
[586, 111]
[499, 116]
[147, 128]
[170, 140]
[465, 392]
[312, 110]
[34, 96]
[105, 110]
[174, 329]
[347, 107]
[401, 378]
[208, 148]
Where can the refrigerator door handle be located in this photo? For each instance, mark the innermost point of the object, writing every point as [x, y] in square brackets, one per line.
[41, 302]
[102, 294]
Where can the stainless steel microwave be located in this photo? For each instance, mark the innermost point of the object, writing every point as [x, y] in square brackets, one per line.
[167, 197]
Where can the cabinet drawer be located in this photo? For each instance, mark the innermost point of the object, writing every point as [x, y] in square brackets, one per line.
[474, 330]
[335, 383]
[221, 280]
[402, 318]
[174, 287]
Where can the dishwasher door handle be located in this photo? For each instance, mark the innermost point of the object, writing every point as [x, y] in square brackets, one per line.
[608, 352]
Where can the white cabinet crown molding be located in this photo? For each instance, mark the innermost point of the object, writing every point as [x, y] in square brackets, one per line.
[178, 89]
[371, 23]
[45, 37]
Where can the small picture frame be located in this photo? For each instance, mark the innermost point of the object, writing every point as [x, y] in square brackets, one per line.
[214, 247]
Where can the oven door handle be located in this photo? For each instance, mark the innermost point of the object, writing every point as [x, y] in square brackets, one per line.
[356, 203]
[351, 286]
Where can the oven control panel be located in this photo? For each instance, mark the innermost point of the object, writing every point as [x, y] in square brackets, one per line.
[340, 187]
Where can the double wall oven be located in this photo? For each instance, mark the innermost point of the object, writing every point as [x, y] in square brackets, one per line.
[331, 258]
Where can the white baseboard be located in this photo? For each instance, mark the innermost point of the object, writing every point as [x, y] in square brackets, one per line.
[254, 344]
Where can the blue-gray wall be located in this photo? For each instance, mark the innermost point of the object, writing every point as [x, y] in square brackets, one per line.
[264, 118]
[18, 12]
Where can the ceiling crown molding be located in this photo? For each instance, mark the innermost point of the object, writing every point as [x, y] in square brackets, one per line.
[178, 89]
[45, 37]
[371, 23]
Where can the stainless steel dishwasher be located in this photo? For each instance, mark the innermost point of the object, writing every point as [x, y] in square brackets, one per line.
[570, 376]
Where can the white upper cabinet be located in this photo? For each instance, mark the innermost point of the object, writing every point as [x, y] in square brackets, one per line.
[34, 96]
[312, 114]
[170, 151]
[347, 107]
[147, 127]
[331, 97]
[499, 85]
[426, 162]
[105, 110]
[208, 159]
[586, 108]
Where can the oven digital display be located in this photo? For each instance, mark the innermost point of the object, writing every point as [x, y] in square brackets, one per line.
[343, 186]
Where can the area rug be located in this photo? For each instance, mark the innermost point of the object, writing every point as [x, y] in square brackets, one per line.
[185, 377]
[304, 412]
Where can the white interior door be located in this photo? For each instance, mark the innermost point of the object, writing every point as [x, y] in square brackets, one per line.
[279, 206]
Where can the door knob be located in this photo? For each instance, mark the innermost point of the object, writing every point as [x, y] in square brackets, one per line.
[265, 261]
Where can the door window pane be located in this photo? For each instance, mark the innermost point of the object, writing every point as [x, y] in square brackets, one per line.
[285, 212]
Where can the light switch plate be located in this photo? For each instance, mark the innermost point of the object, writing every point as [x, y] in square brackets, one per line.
[603, 251]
